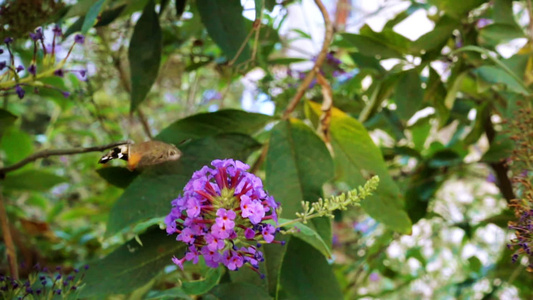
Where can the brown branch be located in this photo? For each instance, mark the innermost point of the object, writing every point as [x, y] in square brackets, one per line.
[257, 164]
[530, 14]
[57, 152]
[318, 63]
[500, 168]
[327, 104]
[144, 123]
[8, 241]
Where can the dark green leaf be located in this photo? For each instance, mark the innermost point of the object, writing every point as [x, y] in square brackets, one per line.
[297, 165]
[174, 293]
[482, 115]
[457, 8]
[225, 24]
[286, 60]
[369, 47]
[305, 274]
[421, 187]
[502, 12]
[274, 255]
[6, 120]
[117, 176]
[200, 287]
[239, 291]
[445, 158]
[144, 54]
[149, 195]
[436, 38]
[75, 27]
[131, 265]
[408, 94]
[356, 159]
[110, 15]
[90, 17]
[209, 124]
[32, 180]
[366, 62]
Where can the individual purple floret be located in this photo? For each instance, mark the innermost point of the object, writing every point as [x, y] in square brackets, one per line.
[79, 39]
[221, 216]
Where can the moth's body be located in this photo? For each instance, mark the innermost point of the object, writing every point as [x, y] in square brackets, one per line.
[143, 154]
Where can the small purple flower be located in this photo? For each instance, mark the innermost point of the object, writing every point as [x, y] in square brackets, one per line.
[8, 40]
[65, 94]
[79, 39]
[59, 73]
[32, 69]
[222, 214]
[3, 64]
[20, 91]
[1, 51]
[19, 68]
[57, 30]
[374, 276]
[38, 35]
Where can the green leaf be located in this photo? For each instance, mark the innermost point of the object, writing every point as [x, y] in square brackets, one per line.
[200, 287]
[297, 165]
[274, 255]
[6, 120]
[456, 8]
[421, 187]
[502, 12]
[309, 236]
[495, 34]
[408, 94]
[131, 265]
[110, 15]
[92, 14]
[144, 54]
[209, 124]
[356, 159]
[174, 293]
[16, 145]
[32, 180]
[306, 274]
[436, 38]
[149, 195]
[369, 46]
[500, 149]
[495, 75]
[239, 291]
[117, 176]
[225, 24]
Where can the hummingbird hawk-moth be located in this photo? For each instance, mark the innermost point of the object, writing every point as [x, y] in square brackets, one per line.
[143, 154]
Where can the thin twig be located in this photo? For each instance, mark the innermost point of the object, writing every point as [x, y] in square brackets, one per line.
[144, 123]
[57, 152]
[327, 104]
[318, 63]
[8, 240]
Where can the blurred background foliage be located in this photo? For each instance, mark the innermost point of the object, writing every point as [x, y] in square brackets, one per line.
[426, 113]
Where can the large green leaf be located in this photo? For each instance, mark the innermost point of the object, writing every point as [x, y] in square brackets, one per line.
[495, 34]
[305, 274]
[131, 265]
[31, 180]
[436, 38]
[369, 46]
[297, 165]
[239, 291]
[6, 120]
[274, 255]
[144, 54]
[356, 159]
[149, 195]
[208, 124]
[309, 236]
[496, 75]
[408, 94]
[225, 24]
[117, 176]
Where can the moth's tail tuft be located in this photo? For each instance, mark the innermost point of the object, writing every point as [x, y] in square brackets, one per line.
[120, 152]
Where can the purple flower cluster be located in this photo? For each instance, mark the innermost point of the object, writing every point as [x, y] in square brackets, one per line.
[524, 235]
[48, 50]
[221, 216]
